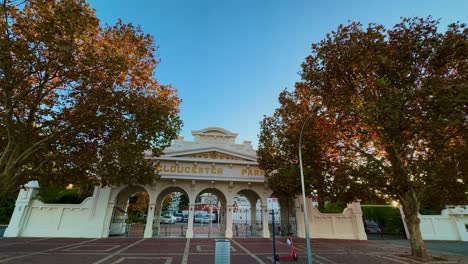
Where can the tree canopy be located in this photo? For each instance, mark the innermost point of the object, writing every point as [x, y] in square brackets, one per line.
[397, 101]
[328, 177]
[79, 102]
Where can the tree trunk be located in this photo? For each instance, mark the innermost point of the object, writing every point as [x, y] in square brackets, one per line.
[410, 205]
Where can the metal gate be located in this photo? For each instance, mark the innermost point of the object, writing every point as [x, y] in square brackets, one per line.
[382, 222]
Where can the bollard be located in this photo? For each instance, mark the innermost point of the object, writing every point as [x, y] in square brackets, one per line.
[222, 251]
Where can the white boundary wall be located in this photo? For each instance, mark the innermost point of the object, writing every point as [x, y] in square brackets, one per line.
[451, 224]
[33, 218]
[347, 225]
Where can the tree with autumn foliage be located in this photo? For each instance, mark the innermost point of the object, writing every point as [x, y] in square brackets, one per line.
[79, 103]
[398, 99]
[327, 175]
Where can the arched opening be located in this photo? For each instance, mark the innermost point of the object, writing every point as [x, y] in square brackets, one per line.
[247, 214]
[209, 214]
[171, 214]
[130, 212]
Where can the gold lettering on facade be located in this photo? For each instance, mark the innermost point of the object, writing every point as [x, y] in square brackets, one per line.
[250, 172]
[205, 170]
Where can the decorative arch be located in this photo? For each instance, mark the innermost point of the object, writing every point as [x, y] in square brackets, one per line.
[119, 223]
[220, 194]
[119, 190]
[168, 190]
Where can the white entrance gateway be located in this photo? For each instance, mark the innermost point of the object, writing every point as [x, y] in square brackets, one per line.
[213, 163]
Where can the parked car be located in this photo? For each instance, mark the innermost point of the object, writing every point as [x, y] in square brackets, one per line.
[205, 219]
[371, 227]
[197, 218]
[168, 219]
[185, 220]
[179, 217]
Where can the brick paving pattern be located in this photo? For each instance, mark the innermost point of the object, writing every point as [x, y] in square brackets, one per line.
[202, 250]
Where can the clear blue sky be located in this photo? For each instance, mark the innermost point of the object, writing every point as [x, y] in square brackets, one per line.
[229, 59]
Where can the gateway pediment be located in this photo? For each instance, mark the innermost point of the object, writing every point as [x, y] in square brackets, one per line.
[213, 155]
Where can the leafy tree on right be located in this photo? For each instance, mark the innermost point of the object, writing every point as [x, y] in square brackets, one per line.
[399, 99]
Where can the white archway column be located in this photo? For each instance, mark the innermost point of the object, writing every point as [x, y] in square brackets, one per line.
[150, 220]
[265, 222]
[191, 214]
[229, 213]
[222, 219]
[157, 217]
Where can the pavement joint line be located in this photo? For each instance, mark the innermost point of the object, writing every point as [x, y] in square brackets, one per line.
[122, 259]
[434, 262]
[186, 252]
[392, 259]
[24, 242]
[318, 261]
[45, 251]
[151, 254]
[75, 253]
[370, 253]
[74, 248]
[119, 251]
[412, 260]
[248, 252]
[324, 259]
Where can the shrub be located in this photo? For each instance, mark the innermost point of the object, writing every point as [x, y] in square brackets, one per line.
[60, 196]
[7, 205]
[335, 208]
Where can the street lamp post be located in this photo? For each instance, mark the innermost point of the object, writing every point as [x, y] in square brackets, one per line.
[306, 222]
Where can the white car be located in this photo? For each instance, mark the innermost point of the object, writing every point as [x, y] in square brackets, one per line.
[197, 219]
[179, 217]
[205, 220]
[168, 219]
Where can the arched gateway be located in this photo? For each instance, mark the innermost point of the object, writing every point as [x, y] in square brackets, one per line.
[222, 185]
[221, 180]
[214, 165]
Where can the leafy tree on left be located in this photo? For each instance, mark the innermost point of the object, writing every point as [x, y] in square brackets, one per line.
[79, 103]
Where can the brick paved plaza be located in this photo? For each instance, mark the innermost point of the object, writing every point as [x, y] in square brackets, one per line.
[201, 250]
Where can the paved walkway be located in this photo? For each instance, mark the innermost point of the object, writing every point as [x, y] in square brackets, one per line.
[201, 250]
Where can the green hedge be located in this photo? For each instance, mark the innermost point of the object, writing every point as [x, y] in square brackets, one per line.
[333, 208]
[7, 205]
[60, 196]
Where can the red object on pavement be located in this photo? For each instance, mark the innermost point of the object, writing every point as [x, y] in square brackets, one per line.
[292, 252]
